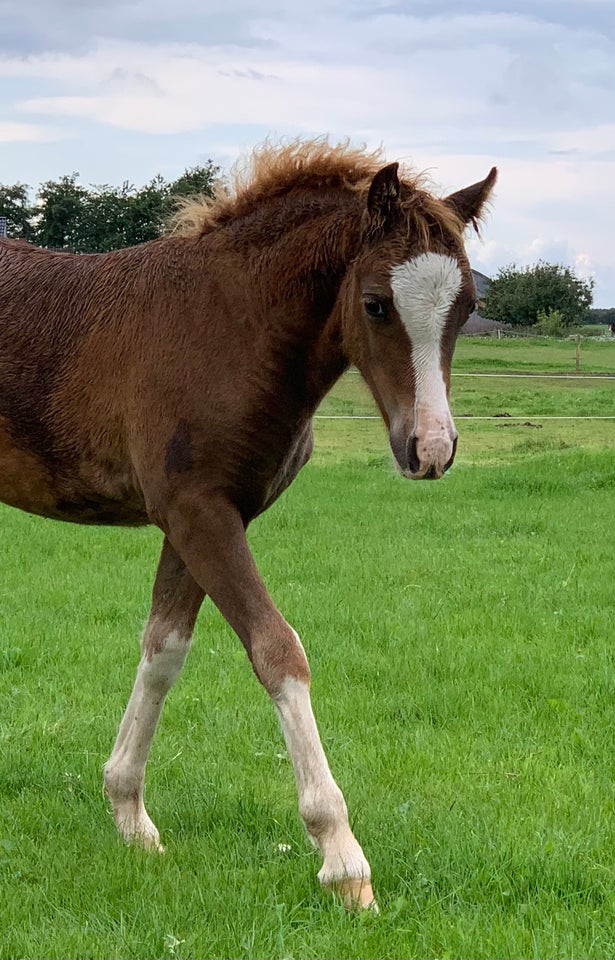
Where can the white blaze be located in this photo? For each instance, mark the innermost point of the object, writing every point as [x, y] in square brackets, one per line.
[424, 290]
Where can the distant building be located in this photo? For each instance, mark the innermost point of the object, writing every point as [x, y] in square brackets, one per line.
[475, 322]
[482, 284]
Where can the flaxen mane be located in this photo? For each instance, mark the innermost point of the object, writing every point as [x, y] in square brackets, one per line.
[272, 171]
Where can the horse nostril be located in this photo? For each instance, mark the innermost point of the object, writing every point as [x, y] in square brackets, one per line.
[413, 461]
[450, 462]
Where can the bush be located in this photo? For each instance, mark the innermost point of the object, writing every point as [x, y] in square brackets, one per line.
[550, 323]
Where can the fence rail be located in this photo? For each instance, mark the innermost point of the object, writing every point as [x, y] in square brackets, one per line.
[469, 416]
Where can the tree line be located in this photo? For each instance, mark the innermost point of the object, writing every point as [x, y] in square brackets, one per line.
[65, 215]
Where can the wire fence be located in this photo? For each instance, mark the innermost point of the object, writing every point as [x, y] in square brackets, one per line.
[540, 376]
[504, 417]
[588, 331]
[471, 416]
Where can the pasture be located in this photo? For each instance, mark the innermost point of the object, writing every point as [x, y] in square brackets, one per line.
[460, 638]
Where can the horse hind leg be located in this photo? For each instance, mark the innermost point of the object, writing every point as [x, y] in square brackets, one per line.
[176, 601]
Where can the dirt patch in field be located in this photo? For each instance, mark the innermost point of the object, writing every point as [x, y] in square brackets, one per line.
[526, 423]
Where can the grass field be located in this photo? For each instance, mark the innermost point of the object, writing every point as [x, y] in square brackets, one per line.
[495, 396]
[531, 354]
[460, 636]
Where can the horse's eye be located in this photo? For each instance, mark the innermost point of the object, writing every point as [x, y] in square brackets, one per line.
[375, 309]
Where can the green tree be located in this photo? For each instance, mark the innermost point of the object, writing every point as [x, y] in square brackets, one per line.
[195, 180]
[146, 212]
[60, 214]
[519, 296]
[103, 225]
[16, 207]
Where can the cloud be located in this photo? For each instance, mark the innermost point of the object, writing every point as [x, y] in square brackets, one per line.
[585, 267]
[122, 80]
[67, 26]
[511, 78]
[13, 132]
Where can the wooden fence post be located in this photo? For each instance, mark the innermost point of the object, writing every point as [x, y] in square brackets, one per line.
[577, 359]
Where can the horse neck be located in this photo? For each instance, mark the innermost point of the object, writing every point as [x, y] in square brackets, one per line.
[304, 246]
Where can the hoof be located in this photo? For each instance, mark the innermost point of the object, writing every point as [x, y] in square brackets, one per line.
[356, 894]
[147, 842]
[140, 833]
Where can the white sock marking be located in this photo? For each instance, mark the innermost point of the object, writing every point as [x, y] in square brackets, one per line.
[125, 769]
[321, 803]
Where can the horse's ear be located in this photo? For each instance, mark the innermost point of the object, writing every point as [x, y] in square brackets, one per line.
[470, 202]
[383, 198]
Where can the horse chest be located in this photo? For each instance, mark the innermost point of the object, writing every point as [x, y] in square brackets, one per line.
[290, 462]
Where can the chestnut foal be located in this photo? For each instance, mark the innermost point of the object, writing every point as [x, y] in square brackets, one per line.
[174, 383]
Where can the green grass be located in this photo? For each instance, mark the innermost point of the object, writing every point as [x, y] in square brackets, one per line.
[460, 637]
[480, 442]
[530, 354]
[487, 396]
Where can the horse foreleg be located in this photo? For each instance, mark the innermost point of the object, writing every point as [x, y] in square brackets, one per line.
[176, 601]
[321, 802]
[227, 572]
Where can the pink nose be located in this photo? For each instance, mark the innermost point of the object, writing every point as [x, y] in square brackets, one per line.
[433, 471]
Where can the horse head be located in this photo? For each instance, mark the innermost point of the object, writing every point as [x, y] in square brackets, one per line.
[404, 301]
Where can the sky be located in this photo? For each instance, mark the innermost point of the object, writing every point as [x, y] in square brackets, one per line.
[125, 89]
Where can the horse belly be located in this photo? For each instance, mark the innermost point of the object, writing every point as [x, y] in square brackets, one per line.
[24, 480]
[28, 484]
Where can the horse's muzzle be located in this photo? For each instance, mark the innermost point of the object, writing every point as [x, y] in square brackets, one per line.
[417, 469]
[424, 459]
